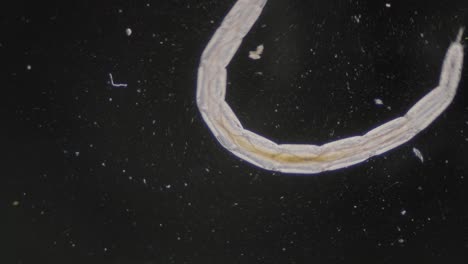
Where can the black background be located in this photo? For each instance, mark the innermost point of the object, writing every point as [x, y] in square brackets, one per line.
[97, 174]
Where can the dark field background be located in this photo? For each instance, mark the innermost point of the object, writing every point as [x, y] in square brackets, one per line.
[92, 173]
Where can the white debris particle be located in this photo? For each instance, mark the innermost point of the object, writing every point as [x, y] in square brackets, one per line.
[357, 18]
[418, 154]
[28, 67]
[256, 54]
[378, 101]
[388, 5]
[401, 241]
[168, 186]
[116, 84]
[15, 203]
[77, 153]
[403, 212]
[128, 31]
[103, 164]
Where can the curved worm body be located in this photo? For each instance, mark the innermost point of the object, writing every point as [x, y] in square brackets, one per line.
[303, 158]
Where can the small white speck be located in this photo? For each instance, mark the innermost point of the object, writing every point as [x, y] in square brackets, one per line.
[388, 5]
[168, 186]
[15, 203]
[103, 164]
[401, 241]
[418, 154]
[128, 31]
[28, 67]
[357, 18]
[403, 212]
[110, 99]
[77, 153]
[256, 54]
[378, 101]
[116, 84]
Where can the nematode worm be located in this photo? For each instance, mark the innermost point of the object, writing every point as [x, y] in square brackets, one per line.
[301, 158]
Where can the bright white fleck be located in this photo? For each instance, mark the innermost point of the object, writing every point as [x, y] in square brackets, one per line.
[128, 31]
[110, 99]
[388, 5]
[15, 203]
[418, 154]
[401, 241]
[168, 186]
[116, 84]
[378, 101]
[403, 212]
[28, 67]
[256, 54]
[77, 153]
[357, 18]
[103, 164]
